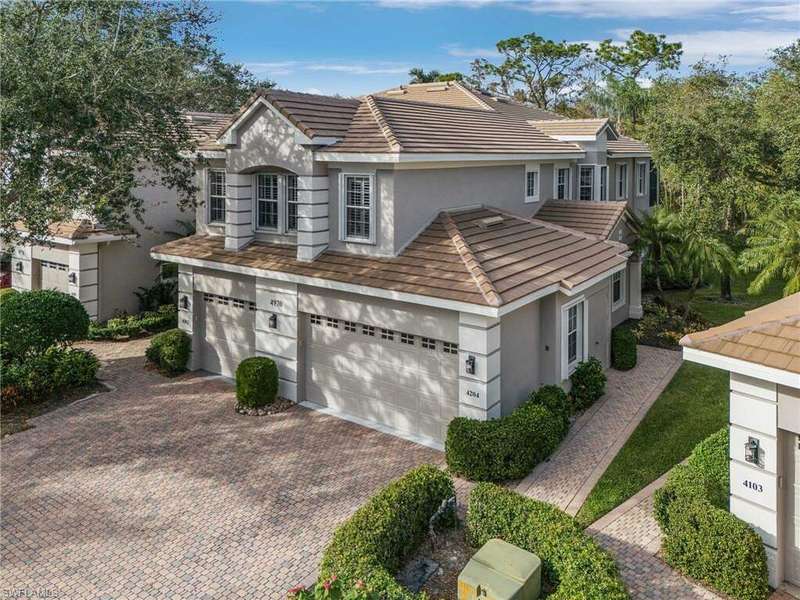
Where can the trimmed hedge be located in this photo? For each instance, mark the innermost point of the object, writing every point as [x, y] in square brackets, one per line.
[40, 375]
[508, 447]
[623, 348]
[129, 326]
[573, 563]
[6, 292]
[701, 538]
[554, 399]
[588, 384]
[170, 351]
[375, 542]
[256, 382]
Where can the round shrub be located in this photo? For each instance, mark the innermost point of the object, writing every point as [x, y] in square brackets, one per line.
[170, 351]
[34, 321]
[588, 384]
[623, 348]
[75, 368]
[554, 399]
[256, 382]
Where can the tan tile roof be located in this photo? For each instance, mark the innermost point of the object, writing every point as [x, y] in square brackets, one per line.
[411, 126]
[72, 229]
[769, 336]
[458, 257]
[557, 127]
[594, 218]
[624, 144]
[204, 127]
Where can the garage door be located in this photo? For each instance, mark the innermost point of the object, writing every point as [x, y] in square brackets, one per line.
[228, 334]
[54, 276]
[791, 444]
[406, 382]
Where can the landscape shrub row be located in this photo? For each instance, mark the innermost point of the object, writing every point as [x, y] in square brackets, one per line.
[701, 538]
[663, 324]
[374, 543]
[129, 326]
[170, 351]
[508, 447]
[623, 348]
[572, 563]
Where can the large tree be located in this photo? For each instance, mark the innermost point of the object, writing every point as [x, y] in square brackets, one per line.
[92, 93]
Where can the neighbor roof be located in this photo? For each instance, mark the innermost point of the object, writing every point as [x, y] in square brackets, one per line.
[459, 256]
[570, 127]
[595, 218]
[769, 336]
[627, 145]
[204, 127]
[75, 229]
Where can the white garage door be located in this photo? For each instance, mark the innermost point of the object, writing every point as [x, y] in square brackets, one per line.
[54, 276]
[406, 382]
[792, 519]
[228, 334]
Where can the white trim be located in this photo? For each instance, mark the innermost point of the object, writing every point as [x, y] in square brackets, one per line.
[556, 168]
[411, 157]
[230, 137]
[612, 155]
[281, 180]
[532, 168]
[373, 208]
[566, 367]
[626, 180]
[210, 170]
[600, 171]
[743, 367]
[622, 285]
[645, 181]
[594, 169]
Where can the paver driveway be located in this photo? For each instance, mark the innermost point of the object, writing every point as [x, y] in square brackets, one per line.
[159, 490]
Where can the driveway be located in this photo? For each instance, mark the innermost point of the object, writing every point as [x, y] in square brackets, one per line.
[158, 489]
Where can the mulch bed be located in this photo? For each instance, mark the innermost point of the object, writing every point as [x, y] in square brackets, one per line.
[280, 405]
[452, 552]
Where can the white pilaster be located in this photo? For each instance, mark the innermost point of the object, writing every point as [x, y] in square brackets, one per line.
[276, 330]
[313, 227]
[84, 280]
[188, 311]
[238, 211]
[635, 310]
[479, 392]
[22, 268]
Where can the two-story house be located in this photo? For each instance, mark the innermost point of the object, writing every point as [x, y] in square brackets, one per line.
[411, 255]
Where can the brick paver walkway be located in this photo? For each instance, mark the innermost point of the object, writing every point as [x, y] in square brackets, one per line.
[596, 437]
[159, 490]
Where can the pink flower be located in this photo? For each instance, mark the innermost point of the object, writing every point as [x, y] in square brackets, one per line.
[333, 578]
[326, 584]
[296, 590]
[360, 585]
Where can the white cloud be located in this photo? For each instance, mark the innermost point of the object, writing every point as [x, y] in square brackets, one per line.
[772, 12]
[313, 90]
[423, 4]
[271, 68]
[460, 52]
[359, 69]
[626, 8]
[743, 47]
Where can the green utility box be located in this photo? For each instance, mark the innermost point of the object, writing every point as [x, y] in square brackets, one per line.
[501, 571]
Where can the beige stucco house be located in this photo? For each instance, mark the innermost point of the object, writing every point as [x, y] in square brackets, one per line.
[762, 352]
[411, 255]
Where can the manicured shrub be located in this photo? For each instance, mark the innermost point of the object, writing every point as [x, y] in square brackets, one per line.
[6, 292]
[623, 348]
[75, 368]
[34, 321]
[129, 326]
[505, 448]
[170, 351]
[554, 399]
[376, 541]
[256, 382]
[588, 384]
[56, 369]
[572, 562]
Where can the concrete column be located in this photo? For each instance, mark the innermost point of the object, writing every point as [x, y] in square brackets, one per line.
[755, 494]
[84, 270]
[277, 338]
[479, 392]
[189, 311]
[22, 268]
[635, 310]
[313, 228]
[238, 211]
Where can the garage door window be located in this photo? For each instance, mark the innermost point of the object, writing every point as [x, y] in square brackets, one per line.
[368, 330]
[349, 326]
[428, 343]
[449, 348]
[333, 323]
[406, 338]
[387, 334]
[228, 301]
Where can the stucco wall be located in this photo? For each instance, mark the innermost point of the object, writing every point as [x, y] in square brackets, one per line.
[640, 204]
[621, 314]
[519, 355]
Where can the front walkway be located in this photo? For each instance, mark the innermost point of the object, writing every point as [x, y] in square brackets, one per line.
[159, 489]
[598, 434]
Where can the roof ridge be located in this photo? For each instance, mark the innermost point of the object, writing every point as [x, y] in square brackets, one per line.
[485, 285]
[474, 96]
[391, 138]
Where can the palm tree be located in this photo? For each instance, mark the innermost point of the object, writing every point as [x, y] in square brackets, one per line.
[702, 255]
[419, 75]
[659, 236]
[774, 247]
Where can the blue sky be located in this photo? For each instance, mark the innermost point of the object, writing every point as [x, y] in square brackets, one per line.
[352, 48]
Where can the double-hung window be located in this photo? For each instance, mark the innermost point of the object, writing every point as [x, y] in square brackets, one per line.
[622, 182]
[617, 290]
[357, 222]
[641, 178]
[586, 182]
[562, 184]
[291, 203]
[216, 196]
[267, 200]
[531, 185]
[603, 183]
[574, 336]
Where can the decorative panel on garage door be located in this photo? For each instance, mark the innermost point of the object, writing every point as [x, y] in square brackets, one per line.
[228, 332]
[54, 276]
[403, 381]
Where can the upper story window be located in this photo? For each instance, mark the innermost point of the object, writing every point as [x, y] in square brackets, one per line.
[562, 183]
[617, 290]
[216, 196]
[586, 182]
[357, 208]
[291, 203]
[531, 184]
[622, 181]
[267, 201]
[641, 178]
[603, 183]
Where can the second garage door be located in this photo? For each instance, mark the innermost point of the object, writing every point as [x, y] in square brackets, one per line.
[406, 382]
[54, 276]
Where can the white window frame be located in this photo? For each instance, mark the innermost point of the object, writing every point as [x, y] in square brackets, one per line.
[208, 197]
[556, 168]
[279, 202]
[619, 275]
[622, 181]
[583, 335]
[602, 187]
[536, 192]
[593, 187]
[641, 177]
[287, 201]
[343, 209]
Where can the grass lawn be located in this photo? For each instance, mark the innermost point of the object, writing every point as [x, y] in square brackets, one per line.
[693, 406]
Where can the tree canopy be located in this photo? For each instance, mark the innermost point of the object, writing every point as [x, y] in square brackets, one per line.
[420, 75]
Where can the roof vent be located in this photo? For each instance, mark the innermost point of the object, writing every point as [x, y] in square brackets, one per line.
[395, 92]
[489, 221]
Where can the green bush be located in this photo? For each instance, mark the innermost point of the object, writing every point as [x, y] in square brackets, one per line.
[56, 369]
[588, 384]
[572, 562]
[6, 292]
[256, 382]
[554, 399]
[701, 538]
[170, 351]
[376, 541]
[505, 448]
[75, 368]
[34, 321]
[623, 348]
[128, 326]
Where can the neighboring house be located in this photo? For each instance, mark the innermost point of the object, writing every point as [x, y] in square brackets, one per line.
[762, 352]
[387, 252]
[104, 268]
